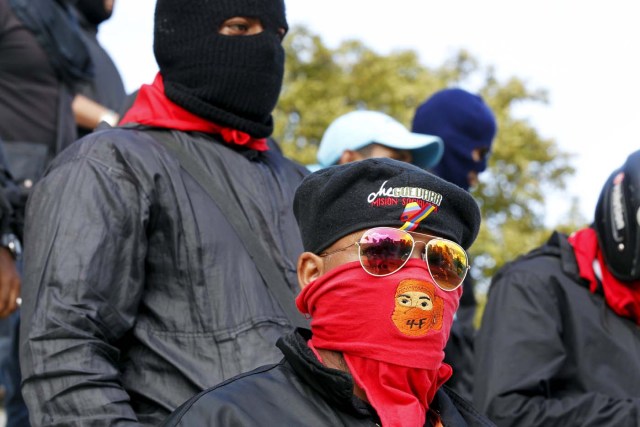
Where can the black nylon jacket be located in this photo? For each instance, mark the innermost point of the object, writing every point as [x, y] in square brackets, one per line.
[137, 292]
[300, 391]
[550, 352]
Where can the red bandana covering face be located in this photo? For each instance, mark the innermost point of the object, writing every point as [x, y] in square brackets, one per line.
[153, 108]
[392, 331]
[623, 298]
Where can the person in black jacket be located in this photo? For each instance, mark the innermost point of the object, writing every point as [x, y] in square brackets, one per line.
[42, 56]
[380, 280]
[560, 337]
[139, 289]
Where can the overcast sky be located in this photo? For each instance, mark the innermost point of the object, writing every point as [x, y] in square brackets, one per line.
[583, 52]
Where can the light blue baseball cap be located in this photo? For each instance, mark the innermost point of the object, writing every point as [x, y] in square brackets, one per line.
[357, 129]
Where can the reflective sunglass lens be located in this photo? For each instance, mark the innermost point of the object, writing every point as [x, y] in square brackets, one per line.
[384, 250]
[447, 263]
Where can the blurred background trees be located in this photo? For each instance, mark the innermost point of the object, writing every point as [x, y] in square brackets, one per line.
[323, 83]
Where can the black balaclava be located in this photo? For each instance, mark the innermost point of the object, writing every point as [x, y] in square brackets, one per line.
[93, 11]
[617, 220]
[232, 81]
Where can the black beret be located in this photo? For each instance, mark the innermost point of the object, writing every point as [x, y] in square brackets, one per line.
[339, 200]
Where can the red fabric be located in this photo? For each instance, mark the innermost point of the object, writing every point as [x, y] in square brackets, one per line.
[622, 297]
[359, 315]
[153, 108]
[400, 395]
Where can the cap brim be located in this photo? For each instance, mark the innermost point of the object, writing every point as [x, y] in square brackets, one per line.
[428, 156]
[427, 150]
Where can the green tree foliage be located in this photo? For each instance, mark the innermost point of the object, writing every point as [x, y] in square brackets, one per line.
[322, 84]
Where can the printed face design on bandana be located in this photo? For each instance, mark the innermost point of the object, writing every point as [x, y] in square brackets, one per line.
[418, 309]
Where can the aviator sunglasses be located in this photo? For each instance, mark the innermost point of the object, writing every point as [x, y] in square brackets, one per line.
[385, 250]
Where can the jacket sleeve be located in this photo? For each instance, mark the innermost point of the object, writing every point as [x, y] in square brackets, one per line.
[84, 272]
[519, 353]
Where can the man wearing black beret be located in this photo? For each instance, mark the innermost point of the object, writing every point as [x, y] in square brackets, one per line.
[385, 257]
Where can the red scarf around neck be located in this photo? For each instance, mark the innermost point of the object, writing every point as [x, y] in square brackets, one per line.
[622, 297]
[153, 108]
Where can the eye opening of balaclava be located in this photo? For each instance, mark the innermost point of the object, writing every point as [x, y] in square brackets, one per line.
[233, 81]
[617, 220]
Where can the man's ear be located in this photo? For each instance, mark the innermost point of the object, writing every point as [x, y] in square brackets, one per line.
[349, 156]
[310, 267]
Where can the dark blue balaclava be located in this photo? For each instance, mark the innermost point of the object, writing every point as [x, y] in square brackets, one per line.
[464, 122]
[232, 81]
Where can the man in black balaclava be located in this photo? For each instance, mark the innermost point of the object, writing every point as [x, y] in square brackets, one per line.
[232, 81]
[142, 284]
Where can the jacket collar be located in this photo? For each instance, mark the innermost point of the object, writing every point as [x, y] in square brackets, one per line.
[336, 387]
[559, 245]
